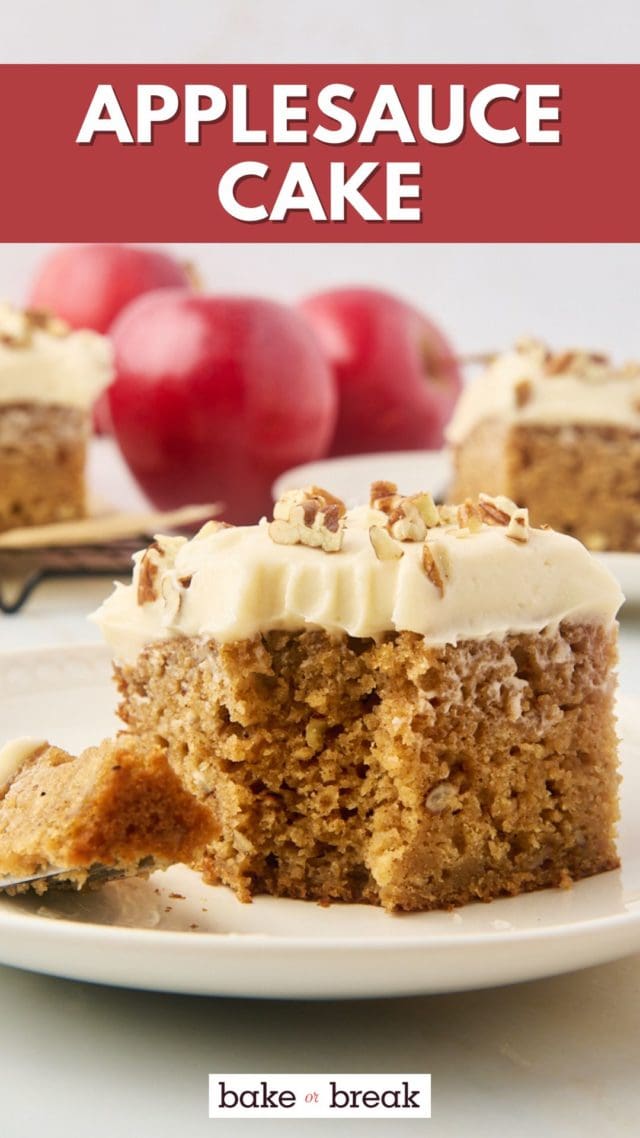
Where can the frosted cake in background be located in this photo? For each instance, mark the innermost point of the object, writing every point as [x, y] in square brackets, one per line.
[560, 434]
[49, 379]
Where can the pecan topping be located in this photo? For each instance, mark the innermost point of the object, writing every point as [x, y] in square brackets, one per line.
[47, 321]
[209, 528]
[496, 511]
[468, 517]
[588, 365]
[528, 346]
[410, 517]
[448, 515]
[163, 548]
[384, 546]
[518, 526]
[381, 491]
[19, 326]
[523, 392]
[560, 363]
[148, 575]
[309, 517]
[19, 338]
[436, 564]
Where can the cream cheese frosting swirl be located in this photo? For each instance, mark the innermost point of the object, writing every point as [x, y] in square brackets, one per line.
[234, 583]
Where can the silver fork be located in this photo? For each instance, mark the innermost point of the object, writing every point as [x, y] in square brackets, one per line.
[60, 878]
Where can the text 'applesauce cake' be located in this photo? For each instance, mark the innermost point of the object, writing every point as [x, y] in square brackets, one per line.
[401, 704]
[560, 434]
[49, 378]
[116, 808]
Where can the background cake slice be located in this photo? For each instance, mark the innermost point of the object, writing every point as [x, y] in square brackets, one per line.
[49, 379]
[560, 434]
[118, 805]
[401, 705]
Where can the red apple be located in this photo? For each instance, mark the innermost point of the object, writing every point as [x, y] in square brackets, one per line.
[397, 375]
[215, 396]
[88, 285]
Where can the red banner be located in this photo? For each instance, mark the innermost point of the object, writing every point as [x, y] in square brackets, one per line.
[339, 153]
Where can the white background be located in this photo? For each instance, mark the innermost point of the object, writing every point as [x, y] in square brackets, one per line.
[556, 1057]
[484, 295]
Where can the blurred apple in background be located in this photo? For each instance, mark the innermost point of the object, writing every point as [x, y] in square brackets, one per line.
[215, 396]
[397, 375]
[88, 285]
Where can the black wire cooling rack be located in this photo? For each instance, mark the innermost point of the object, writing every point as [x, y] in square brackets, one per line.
[23, 570]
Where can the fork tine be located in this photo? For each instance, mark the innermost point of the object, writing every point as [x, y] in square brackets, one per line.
[61, 878]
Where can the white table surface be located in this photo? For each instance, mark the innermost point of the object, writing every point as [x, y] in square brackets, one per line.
[557, 1057]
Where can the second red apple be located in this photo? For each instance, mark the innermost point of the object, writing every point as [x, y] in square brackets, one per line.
[397, 375]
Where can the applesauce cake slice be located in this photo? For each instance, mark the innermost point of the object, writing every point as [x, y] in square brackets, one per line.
[49, 378]
[117, 807]
[401, 704]
[560, 434]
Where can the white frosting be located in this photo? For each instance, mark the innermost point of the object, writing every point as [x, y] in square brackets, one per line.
[235, 583]
[587, 393]
[13, 755]
[66, 370]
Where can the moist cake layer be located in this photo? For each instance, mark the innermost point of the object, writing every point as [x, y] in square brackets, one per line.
[393, 772]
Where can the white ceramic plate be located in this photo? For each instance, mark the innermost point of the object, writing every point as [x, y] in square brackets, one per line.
[350, 478]
[174, 934]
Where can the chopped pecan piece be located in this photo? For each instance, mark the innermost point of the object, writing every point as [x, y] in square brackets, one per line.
[148, 575]
[518, 526]
[588, 365]
[47, 321]
[496, 511]
[410, 516]
[309, 517]
[163, 548]
[436, 564]
[528, 346]
[448, 515]
[381, 491]
[210, 528]
[523, 392]
[561, 363]
[384, 546]
[18, 336]
[468, 516]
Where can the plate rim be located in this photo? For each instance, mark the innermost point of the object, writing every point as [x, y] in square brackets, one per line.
[87, 930]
